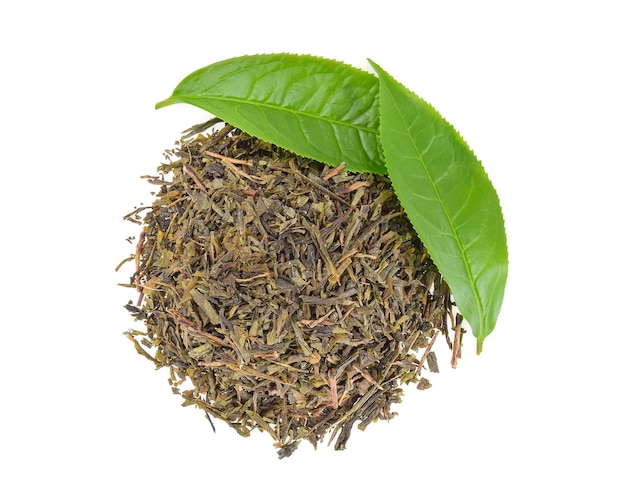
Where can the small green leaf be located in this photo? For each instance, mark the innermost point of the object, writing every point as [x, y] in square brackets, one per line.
[449, 199]
[315, 107]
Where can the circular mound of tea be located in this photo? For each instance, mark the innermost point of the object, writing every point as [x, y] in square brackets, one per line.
[283, 294]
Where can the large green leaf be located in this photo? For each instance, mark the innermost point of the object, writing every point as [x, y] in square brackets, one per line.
[316, 107]
[449, 199]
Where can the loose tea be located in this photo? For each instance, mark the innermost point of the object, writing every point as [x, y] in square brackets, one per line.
[283, 294]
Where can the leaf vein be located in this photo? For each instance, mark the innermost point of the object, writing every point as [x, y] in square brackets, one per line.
[453, 232]
[271, 106]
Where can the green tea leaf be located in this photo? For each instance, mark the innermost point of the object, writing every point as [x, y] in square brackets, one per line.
[449, 199]
[315, 107]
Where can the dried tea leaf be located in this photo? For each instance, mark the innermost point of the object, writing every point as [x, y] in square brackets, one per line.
[283, 295]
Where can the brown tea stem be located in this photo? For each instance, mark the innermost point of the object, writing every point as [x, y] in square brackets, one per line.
[425, 355]
[334, 171]
[223, 157]
[456, 347]
[138, 250]
[332, 382]
[194, 177]
[353, 187]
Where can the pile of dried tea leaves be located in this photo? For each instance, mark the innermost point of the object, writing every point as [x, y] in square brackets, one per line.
[283, 294]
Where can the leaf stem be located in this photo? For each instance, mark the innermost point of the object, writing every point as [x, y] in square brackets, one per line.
[479, 346]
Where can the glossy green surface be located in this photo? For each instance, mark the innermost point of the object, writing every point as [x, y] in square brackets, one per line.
[316, 107]
[449, 199]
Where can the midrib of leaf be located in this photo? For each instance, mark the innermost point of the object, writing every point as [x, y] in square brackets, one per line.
[261, 105]
[479, 333]
[450, 221]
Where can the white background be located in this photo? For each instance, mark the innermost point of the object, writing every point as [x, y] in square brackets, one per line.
[536, 88]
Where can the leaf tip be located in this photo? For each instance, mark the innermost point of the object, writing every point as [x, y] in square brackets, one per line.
[375, 66]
